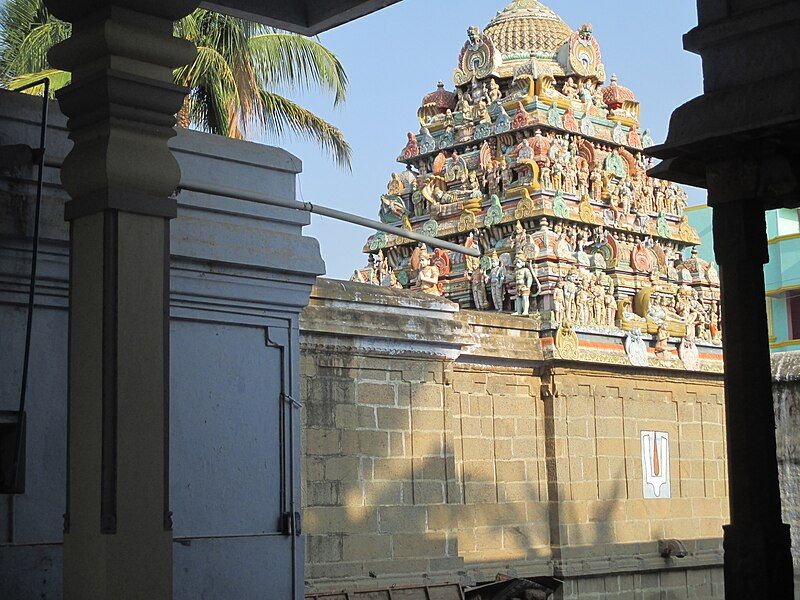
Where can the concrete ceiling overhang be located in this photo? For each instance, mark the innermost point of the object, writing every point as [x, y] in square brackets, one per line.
[308, 17]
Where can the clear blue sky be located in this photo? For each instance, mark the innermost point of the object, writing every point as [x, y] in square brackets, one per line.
[395, 56]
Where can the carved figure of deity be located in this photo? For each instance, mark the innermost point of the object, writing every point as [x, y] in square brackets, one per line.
[472, 197]
[390, 279]
[497, 280]
[492, 178]
[477, 91]
[599, 299]
[611, 309]
[573, 147]
[471, 263]
[427, 274]
[583, 180]
[571, 177]
[570, 295]
[570, 89]
[449, 121]
[506, 173]
[474, 37]
[641, 214]
[523, 277]
[584, 304]
[456, 168]
[558, 175]
[545, 175]
[478, 282]
[596, 181]
[681, 201]
[617, 134]
[660, 197]
[482, 112]
[520, 238]
[380, 268]
[669, 198]
[463, 106]
[699, 319]
[626, 198]
[649, 196]
[554, 118]
[689, 353]
[558, 302]
[714, 325]
[598, 97]
[525, 150]
[683, 302]
[540, 145]
[662, 343]
[494, 91]
[417, 200]
[393, 209]
[586, 95]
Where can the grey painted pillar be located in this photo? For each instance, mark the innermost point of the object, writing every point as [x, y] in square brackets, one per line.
[120, 175]
[758, 560]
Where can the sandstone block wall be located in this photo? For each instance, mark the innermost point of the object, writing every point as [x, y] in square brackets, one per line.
[439, 446]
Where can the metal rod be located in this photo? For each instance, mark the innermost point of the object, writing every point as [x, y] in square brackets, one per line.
[34, 263]
[324, 211]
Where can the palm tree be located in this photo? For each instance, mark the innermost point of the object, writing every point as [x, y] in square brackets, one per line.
[235, 82]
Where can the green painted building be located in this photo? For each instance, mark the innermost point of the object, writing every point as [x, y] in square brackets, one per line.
[781, 274]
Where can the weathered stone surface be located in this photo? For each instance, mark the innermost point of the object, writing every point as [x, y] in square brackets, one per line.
[472, 454]
[786, 393]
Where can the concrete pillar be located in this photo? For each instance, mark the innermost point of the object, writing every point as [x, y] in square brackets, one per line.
[758, 561]
[120, 175]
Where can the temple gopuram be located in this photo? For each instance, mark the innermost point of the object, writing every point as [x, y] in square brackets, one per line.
[543, 421]
[538, 159]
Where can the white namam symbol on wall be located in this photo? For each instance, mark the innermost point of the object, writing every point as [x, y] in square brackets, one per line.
[655, 464]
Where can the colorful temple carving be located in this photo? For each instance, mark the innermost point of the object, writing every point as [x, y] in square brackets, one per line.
[539, 162]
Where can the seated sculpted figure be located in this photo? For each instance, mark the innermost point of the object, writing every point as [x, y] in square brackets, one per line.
[427, 273]
[393, 209]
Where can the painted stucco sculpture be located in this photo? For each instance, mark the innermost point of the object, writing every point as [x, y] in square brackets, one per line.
[535, 153]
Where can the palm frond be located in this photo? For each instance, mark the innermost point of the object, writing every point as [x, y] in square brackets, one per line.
[32, 52]
[295, 61]
[213, 91]
[234, 82]
[27, 32]
[58, 80]
[208, 65]
[280, 115]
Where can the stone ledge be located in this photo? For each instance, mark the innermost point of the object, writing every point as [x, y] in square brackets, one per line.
[365, 294]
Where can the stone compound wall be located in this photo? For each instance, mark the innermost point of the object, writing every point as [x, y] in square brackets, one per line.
[786, 393]
[440, 446]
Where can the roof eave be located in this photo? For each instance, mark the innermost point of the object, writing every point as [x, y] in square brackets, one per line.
[307, 17]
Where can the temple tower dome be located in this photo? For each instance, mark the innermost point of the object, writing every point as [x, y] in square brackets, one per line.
[527, 26]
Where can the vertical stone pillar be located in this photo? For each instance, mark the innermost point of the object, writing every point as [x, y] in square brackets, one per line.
[758, 561]
[120, 175]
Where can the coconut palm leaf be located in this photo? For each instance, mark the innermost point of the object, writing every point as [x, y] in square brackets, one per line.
[32, 52]
[279, 115]
[236, 82]
[27, 32]
[287, 60]
[58, 80]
